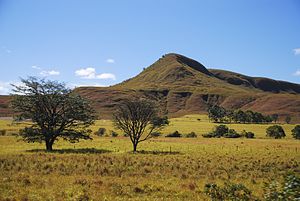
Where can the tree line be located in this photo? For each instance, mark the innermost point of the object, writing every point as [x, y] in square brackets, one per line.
[219, 114]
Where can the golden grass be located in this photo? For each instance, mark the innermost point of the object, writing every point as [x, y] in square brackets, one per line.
[167, 169]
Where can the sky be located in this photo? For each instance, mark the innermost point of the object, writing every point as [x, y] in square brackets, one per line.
[103, 42]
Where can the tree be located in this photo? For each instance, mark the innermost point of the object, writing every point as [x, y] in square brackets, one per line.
[55, 111]
[288, 119]
[138, 119]
[275, 117]
[296, 132]
[216, 113]
[275, 131]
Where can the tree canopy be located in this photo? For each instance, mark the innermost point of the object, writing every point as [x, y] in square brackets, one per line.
[55, 111]
[139, 120]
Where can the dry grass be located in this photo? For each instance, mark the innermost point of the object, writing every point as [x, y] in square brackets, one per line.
[167, 169]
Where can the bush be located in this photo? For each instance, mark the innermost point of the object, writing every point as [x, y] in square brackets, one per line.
[191, 135]
[275, 131]
[100, 132]
[3, 132]
[221, 130]
[114, 134]
[155, 134]
[209, 135]
[228, 192]
[289, 189]
[247, 134]
[231, 134]
[175, 134]
[296, 132]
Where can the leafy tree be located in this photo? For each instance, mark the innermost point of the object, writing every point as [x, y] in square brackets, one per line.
[55, 111]
[275, 117]
[216, 113]
[275, 131]
[221, 130]
[296, 132]
[231, 134]
[288, 119]
[240, 116]
[247, 134]
[139, 119]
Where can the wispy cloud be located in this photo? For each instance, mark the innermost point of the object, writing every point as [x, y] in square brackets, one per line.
[6, 50]
[50, 72]
[90, 73]
[6, 87]
[297, 51]
[111, 61]
[36, 67]
[297, 73]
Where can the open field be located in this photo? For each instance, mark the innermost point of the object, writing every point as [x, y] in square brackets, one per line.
[167, 169]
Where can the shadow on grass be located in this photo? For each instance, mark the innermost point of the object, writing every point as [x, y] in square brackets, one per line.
[158, 152]
[72, 151]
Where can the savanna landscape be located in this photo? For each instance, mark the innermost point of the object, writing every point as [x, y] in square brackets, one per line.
[136, 100]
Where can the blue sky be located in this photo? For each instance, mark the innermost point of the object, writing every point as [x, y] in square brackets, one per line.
[103, 42]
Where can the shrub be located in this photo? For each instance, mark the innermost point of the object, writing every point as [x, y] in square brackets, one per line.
[175, 134]
[296, 132]
[155, 134]
[100, 132]
[114, 134]
[2, 132]
[209, 135]
[221, 130]
[191, 135]
[228, 192]
[289, 189]
[275, 131]
[231, 134]
[247, 134]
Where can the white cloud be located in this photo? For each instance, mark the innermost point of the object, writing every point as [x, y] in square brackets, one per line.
[297, 51]
[90, 73]
[6, 87]
[297, 73]
[110, 61]
[36, 67]
[50, 72]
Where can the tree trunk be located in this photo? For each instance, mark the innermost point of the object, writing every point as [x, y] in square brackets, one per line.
[134, 147]
[49, 144]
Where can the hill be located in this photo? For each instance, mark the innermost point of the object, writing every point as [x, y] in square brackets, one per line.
[181, 86]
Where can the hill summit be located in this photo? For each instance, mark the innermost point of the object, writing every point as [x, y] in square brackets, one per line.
[180, 85]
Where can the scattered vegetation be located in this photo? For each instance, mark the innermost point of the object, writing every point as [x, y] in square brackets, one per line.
[191, 135]
[219, 114]
[174, 134]
[100, 132]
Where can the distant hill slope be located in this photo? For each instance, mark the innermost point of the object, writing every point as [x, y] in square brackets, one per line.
[264, 84]
[181, 85]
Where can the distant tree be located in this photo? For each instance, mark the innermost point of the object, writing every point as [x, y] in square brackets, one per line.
[296, 132]
[275, 117]
[221, 130]
[100, 132]
[174, 134]
[240, 116]
[275, 131]
[55, 111]
[139, 119]
[247, 134]
[288, 119]
[216, 113]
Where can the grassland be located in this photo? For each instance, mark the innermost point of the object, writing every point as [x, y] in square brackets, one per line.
[166, 169]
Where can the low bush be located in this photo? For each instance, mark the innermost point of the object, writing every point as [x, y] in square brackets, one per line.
[175, 134]
[228, 192]
[231, 134]
[275, 131]
[296, 132]
[114, 134]
[247, 134]
[101, 132]
[2, 132]
[288, 190]
[209, 135]
[155, 134]
[191, 135]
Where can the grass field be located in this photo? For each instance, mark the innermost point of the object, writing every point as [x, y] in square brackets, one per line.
[166, 169]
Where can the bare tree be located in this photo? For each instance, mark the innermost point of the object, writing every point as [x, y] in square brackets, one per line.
[55, 112]
[138, 119]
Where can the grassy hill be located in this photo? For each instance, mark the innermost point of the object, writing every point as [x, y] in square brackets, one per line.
[182, 86]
